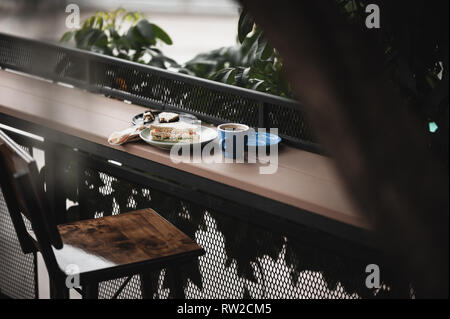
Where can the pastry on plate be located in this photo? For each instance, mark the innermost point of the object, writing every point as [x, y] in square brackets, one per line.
[167, 117]
[148, 117]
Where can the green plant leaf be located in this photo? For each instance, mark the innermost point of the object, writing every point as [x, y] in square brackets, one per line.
[66, 37]
[132, 16]
[96, 37]
[99, 22]
[130, 39]
[252, 52]
[86, 37]
[257, 84]
[264, 50]
[245, 25]
[101, 40]
[242, 76]
[161, 34]
[89, 22]
[146, 31]
[225, 75]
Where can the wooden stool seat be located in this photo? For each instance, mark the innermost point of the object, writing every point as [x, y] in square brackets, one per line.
[125, 244]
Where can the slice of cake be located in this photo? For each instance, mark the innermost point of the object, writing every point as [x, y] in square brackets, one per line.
[148, 117]
[166, 117]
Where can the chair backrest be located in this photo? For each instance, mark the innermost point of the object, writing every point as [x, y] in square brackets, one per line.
[25, 198]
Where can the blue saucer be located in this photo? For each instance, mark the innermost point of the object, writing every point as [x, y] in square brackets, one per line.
[262, 139]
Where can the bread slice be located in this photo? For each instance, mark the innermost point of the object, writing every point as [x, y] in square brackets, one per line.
[166, 117]
[174, 132]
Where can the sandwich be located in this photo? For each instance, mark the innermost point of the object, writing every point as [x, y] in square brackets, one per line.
[166, 117]
[174, 132]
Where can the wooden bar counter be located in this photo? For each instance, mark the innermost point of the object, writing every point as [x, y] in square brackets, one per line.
[304, 189]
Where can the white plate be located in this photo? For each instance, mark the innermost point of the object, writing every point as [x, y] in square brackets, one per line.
[207, 134]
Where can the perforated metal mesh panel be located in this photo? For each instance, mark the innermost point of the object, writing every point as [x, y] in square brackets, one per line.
[290, 122]
[156, 90]
[16, 268]
[242, 260]
[14, 55]
[210, 101]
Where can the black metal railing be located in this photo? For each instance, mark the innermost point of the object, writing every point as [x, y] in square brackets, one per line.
[246, 257]
[156, 88]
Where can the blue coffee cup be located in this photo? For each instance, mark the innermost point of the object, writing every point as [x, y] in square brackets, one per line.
[233, 139]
